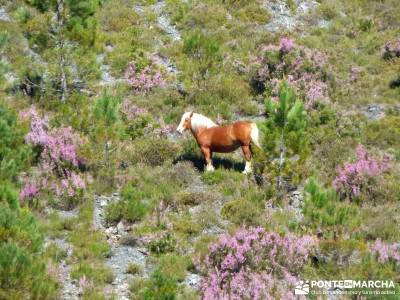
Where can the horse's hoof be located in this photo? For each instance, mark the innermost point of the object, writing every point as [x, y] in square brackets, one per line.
[210, 169]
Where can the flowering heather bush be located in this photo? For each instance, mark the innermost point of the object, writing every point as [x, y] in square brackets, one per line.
[164, 130]
[143, 81]
[58, 164]
[359, 176]
[131, 111]
[286, 44]
[29, 191]
[304, 69]
[391, 50]
[385, 252]
[254, 264]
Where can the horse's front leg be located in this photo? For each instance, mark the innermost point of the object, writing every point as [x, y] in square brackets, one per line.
[208, 158]
[247, 155]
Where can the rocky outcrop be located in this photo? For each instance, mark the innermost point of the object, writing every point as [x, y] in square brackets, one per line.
[122, 252]
[285, 18]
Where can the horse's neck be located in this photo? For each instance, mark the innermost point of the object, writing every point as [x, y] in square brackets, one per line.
[199, 124]
[201, 121]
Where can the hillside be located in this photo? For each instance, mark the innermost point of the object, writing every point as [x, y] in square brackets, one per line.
[101, 197]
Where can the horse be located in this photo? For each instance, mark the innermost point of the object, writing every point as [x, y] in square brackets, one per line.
[222, 139]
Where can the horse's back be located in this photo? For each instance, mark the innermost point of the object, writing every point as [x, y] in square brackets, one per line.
[227, 138]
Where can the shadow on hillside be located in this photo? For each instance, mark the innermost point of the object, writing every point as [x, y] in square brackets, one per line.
[395, 83]
[218, 162]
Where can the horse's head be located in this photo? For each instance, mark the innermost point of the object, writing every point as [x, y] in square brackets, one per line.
[186, 122]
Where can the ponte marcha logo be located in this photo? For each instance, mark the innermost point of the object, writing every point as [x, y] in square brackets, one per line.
[302, 288]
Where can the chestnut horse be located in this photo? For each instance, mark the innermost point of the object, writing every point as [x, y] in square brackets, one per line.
[213, 138]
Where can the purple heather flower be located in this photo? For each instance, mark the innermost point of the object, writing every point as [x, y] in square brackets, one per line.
[143, 82]
[253, 264]
[59, 153]
[286, 44]
[353, 177]
[29, 191]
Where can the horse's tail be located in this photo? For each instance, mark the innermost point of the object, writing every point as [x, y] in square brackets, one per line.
[255, 134]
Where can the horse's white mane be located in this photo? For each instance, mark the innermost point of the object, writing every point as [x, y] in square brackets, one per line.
[199, 120]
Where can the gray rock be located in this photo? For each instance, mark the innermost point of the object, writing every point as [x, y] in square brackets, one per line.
[120, 228]
[4, 16]
[111, 231]
[192, 280]
[120, 258]
[122, 253]
[374, 111]
[164, 22]
[283, 18]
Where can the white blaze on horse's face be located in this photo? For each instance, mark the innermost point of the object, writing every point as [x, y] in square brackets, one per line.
[185, 121]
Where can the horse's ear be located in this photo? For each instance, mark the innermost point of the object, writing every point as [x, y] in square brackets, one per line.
[191, 115]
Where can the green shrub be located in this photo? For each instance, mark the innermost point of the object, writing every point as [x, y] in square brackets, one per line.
[130, 207]
[185, 198]
[383, 133]
[204, 50]
[173, 266]
[241, 212]
[329, 9]
[14, 154]
[23, 275]
[157, 287]
[154, 151]
[380, 222]
[186, 225]
[134, 269]
[135, 209]
[22, 270]
[93, 293]
[284, 130]
[106, 110]
[215, 177]
[114, 212]
[22, 14]
[207, 217]
[250, 12]
[136, 128]
[323, 210]
[96, 272]
[163, 244]
[94, 246]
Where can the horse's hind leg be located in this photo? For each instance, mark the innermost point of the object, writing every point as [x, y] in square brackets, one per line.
[247, 156]
[208, 157]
